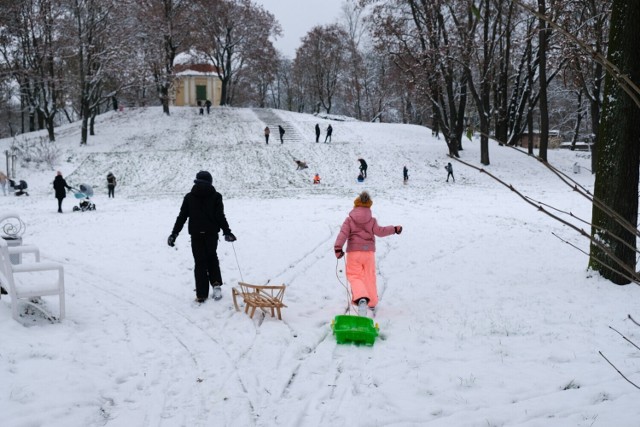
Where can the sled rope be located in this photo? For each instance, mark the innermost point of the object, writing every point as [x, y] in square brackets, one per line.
[346, 288]
[237, 263]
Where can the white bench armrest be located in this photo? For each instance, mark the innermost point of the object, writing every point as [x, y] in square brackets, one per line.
[25, 249]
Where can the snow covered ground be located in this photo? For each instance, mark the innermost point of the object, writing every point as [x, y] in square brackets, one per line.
[486, 318]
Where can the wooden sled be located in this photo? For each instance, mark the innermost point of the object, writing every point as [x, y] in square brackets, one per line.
[266, 298]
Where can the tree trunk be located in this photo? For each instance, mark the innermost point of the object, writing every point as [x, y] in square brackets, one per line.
[616, 183]
[542, 67]
[576, 128]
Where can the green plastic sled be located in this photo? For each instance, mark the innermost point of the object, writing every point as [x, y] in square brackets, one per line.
[354, 329]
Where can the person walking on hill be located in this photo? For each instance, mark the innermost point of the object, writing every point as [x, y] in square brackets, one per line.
[281, 130]
[60, 186]
[317, 133]
[329, 132]
[4, 182]
[359, 231]
[363, 167]
[266, 134]
[449, 170]
[111, 184]
[204, 208]
[405, 174]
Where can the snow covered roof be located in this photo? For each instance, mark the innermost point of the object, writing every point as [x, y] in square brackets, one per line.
[195, 69]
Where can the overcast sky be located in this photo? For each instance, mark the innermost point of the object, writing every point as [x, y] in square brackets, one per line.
[297, 17]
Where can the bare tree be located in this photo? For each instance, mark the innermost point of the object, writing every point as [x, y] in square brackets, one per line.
[165, 28]
[92, 51]
[321, 59]
[30, 49]
[235, 35]
[618, 161]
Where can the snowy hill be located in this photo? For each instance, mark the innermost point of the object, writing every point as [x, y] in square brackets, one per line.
[151, 153]
[485, 317]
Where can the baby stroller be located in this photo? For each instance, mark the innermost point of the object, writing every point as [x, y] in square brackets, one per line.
[19, 188]
[84, 193]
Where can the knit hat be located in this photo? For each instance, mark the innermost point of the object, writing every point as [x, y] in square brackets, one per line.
[203, 177]
[363, 200]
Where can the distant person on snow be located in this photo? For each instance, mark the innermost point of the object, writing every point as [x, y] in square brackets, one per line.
[205, 210]
[449, 170]
[317, 132]
[208, 105]
[329, 132]
[316, 179]
[363, 167]
[359, 231]
[61, 187]
[266, 134]
[281, 130]
[301, 165]
[111, 184]
[405, 174]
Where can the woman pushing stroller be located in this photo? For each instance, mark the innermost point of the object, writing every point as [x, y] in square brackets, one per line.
[61, 187]
[359, 230]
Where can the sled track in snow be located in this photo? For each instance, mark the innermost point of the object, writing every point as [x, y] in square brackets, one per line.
[159, 317]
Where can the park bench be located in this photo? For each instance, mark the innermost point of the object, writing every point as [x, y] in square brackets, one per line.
[267, 298]
[27, 288]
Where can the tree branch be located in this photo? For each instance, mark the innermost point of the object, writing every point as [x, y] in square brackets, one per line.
[618, 371]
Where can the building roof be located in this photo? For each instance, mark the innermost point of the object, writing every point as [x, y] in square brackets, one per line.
[194, 69]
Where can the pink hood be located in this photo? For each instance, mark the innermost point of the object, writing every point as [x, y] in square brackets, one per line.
[359, 231]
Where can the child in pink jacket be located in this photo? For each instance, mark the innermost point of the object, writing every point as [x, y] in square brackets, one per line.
[359, 231]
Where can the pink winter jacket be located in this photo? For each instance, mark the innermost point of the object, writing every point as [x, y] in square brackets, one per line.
[359, 231]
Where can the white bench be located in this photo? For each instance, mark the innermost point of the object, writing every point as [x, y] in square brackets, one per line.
[28, 288]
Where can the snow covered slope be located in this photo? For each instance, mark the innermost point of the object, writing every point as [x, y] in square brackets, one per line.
[486, 318]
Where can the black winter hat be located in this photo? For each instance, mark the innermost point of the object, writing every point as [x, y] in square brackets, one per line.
[203, 177]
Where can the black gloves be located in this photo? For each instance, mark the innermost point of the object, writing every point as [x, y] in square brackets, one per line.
[171, 241]
[398, 229]
[229, 237]
[339, 253]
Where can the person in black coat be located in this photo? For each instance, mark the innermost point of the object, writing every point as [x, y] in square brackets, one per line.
[208, 105]
[204, 208]
[317, 132]
[61, 187]
[405, 174]
[449, 170]
[329, 132]
[111, 184]
[363, 167]
[281, 130]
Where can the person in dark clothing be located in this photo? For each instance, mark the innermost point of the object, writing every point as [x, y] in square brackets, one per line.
[267, 132]
[111, 184]
[317, 132]
[208, 105]
[301, 165]
[329, 132]
[61, 187]
[405, 174]
[363, 167]
[281, 130]
[204, 208]
[449, 170]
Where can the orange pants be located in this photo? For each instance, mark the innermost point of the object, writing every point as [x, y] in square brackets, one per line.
[361, 274]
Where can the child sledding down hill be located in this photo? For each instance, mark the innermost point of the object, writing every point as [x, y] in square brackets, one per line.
[359, 231]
